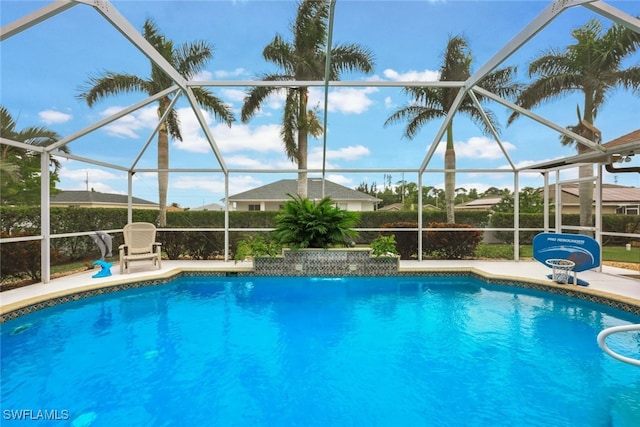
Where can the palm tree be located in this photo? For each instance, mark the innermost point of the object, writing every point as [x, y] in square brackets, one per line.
[592, 66]
[304, 59]
[429, 103]
[188, 59]
[19, 167]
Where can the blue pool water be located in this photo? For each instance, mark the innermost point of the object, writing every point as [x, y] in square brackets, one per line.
[320, 352]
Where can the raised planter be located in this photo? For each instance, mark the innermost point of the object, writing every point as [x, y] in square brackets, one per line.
[337, 262]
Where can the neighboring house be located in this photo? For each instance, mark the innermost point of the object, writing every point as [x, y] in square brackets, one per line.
[209, 207]
[95, 199]
[393, 207]
[483, 204]
[271, 197]
[616, 199]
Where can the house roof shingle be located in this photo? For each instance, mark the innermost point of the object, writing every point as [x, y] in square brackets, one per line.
[95, 197]
[277, 191]
[611, 193]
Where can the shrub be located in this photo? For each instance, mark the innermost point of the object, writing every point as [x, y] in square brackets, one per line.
[384, 245]
[301, 223]
[256, 245]
[450, 244]
[21, 259]
[406, 241]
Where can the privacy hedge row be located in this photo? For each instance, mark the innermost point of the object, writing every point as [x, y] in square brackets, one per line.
[435, 244]
[610, 223]
[206, 245]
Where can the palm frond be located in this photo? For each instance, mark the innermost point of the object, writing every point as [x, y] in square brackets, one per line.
[191, 58]
[211, 103]
[100, 87]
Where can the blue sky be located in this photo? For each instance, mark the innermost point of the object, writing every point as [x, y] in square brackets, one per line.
[44, 68]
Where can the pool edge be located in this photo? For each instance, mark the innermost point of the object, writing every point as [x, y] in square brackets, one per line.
[35, 303]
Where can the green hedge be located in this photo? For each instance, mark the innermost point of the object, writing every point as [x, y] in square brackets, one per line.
[610, 223]
[207, 245]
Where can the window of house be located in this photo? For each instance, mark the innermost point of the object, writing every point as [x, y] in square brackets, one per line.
[254, 207]
[632, 210]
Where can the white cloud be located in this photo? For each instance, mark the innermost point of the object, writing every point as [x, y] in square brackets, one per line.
[202, 76]
[478, 147]
[241, 161]
[221, 74]
[388, 102]
[129, 125]
[412, 75]
[341, 179]
[237, 184]
[52, 117]
[239, 137]
[350, 100]
[352, 152]
[91, 174]
[80, 179]
[233, 95]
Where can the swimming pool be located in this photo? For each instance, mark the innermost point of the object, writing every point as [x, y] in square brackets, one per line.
[407, 351]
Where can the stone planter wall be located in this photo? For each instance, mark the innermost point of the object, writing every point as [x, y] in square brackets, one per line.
[326, 263]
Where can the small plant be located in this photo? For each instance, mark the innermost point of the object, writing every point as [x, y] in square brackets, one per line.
[256, 245]
[384, 246]
[303, 223]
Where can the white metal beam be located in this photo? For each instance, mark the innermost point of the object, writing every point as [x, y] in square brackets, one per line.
[615, 15]
[205, 128]
[18, 144]
[321, 83]
[119, 22]
[327, 68]
[35, 18]
[580, 139]
[434, 145]
[111, 118]
[89, 161]
[474, 98]
[45, 218]
[533, 28]
[155, 130]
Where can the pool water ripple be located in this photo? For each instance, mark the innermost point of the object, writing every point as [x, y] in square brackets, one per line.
[295, 351]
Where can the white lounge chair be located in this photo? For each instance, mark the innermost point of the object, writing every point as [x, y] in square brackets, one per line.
[139, 244]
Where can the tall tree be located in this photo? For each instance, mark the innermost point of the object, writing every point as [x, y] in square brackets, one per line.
[304, 59]
[19, 167]
[592, 66]
[429, 103]
[188, 59]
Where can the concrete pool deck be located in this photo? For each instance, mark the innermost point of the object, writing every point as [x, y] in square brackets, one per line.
[611, 283]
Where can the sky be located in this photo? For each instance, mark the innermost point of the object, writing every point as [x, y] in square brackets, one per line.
[44, 69]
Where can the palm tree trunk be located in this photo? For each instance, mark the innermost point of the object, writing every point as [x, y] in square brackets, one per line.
[450, 177]
[303, 139]
[163, 166]
[163, 176]
[585, 188]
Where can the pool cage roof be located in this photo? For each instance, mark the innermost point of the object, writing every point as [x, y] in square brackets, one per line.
[596, 153]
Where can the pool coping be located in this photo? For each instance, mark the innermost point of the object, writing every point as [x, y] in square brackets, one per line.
[28, 305]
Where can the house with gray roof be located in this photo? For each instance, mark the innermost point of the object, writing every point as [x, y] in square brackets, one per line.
[96, 199]
[271, 197]
[209, 207]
